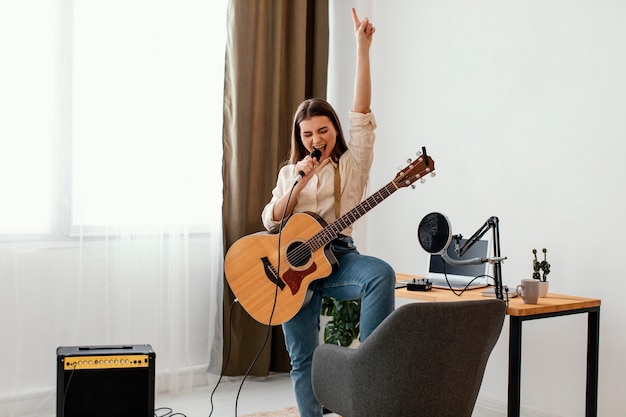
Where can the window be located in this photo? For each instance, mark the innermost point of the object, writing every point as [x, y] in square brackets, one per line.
[27, 45]
[115, 112]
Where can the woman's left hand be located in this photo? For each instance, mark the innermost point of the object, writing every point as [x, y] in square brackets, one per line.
[363, 29]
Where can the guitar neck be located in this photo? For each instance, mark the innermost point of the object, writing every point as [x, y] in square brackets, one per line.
[333, 230]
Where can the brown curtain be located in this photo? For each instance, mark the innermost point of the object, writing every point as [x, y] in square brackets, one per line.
[276, 56]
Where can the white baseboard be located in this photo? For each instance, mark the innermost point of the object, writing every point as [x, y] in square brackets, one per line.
[186, 378]
[499, 407]
[29, 403]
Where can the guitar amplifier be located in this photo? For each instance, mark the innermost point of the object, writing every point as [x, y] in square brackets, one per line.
[105, 381]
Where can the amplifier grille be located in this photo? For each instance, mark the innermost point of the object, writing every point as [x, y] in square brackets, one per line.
[105, 381]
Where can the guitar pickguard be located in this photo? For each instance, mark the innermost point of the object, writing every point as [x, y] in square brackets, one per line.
[294, 278]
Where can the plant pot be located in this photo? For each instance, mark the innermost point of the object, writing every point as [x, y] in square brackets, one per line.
[543, 288]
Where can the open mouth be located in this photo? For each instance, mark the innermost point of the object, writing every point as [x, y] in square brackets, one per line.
[320, 148]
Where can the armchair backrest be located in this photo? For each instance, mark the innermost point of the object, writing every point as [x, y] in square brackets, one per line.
[425, 359]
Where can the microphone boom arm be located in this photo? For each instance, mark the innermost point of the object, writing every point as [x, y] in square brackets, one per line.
[491, 223]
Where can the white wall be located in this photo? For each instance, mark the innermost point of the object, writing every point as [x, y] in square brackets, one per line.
[522, 106]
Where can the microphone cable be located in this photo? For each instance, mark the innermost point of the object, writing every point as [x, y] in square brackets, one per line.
[219, 380]
[167, 412]
[269, 325]
[316, 155]
[460, 292]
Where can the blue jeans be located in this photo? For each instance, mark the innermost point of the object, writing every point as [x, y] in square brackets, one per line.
[358, 276]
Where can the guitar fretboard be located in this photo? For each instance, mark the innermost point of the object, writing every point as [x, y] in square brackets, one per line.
[333, 230]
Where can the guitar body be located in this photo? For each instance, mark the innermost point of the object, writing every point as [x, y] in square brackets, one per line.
[251, 266]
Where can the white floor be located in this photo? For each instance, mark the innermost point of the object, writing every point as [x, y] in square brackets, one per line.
[257, 394]
[231, 398]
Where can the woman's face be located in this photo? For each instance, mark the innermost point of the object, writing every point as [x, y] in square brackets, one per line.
[318, 132]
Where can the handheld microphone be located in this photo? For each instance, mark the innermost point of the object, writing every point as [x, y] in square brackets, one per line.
[315, 155]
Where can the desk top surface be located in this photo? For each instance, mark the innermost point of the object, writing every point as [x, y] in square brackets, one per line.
[550, 304]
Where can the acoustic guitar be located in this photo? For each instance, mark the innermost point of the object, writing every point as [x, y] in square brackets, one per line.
[270, 273]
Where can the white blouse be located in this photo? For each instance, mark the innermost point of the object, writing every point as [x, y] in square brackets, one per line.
[318, 195]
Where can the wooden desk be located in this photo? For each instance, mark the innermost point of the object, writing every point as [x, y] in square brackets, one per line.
[551, 306]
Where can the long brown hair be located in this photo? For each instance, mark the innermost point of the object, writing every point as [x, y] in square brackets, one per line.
[306, 110]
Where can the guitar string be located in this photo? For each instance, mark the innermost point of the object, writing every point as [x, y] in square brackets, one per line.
[303, 251]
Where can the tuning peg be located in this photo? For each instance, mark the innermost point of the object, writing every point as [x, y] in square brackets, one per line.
[433, 173]
[413, 186]
[422, 180]
[408, 161]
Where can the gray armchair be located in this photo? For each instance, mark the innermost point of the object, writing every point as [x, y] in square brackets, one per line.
[425, 359]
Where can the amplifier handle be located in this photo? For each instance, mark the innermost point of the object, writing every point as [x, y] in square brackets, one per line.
[104, 347]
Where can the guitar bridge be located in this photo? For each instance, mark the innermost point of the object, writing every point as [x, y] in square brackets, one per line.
[271, 274]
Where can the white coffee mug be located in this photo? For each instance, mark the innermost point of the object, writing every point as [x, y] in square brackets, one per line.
[529, 290]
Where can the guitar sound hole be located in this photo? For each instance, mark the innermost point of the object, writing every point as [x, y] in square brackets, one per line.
[298, 254]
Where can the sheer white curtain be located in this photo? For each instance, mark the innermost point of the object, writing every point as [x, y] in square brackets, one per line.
[110, 176]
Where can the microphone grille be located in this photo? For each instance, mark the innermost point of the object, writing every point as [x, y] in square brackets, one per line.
[316, 154]
[434, 232]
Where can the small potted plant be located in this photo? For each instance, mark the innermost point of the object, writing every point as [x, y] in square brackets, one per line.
[541, 271]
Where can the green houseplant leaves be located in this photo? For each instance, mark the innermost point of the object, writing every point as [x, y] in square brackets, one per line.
[344, 327]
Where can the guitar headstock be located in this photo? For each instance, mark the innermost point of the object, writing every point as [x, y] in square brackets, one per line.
[415, 170]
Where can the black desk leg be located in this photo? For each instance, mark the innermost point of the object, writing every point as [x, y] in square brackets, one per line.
[593, 342]
[515, 366]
